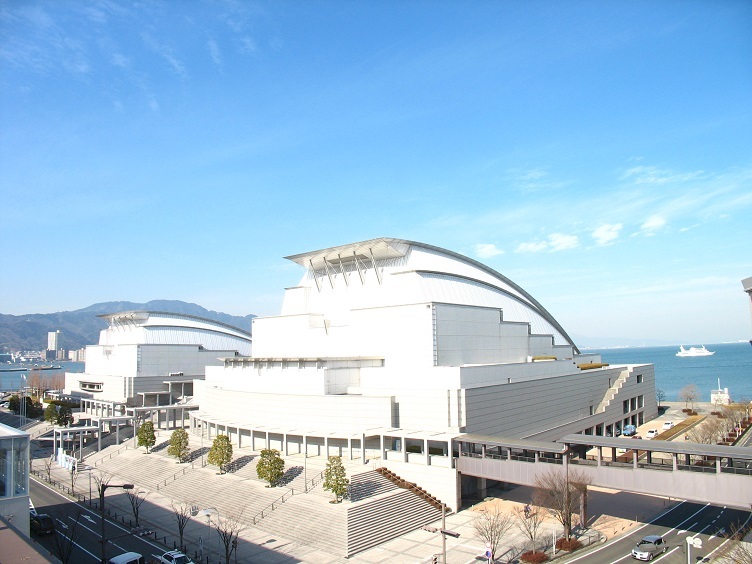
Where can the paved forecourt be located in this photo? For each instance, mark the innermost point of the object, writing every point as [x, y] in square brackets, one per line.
[285, 539]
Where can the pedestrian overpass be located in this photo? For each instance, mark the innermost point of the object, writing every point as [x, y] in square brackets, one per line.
[705, 473]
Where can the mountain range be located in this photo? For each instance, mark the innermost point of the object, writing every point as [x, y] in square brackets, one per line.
[81, 327]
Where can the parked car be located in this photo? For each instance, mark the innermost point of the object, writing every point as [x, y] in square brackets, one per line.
[172, 557]
[629, 430]
[649, 547]
[41, 524]
[653, 433]
[128, 558]
[667, 425]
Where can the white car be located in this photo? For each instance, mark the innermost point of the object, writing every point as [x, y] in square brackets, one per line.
[667, 425]
[651, 434]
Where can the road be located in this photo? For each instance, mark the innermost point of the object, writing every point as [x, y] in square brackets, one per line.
[709, 523]
[86, 534]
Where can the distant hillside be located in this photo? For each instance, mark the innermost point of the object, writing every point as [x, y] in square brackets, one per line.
[81, 327]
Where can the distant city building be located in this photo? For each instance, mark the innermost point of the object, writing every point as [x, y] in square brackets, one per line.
[390, 349]
[77, 356]
[53, 340]
[148, 358]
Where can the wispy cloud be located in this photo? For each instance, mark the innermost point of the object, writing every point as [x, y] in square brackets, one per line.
[655, 175]
[606, 234]
[215, 53]
[487, 250]
[536, 179]
[652, 225]
[166, 52]
[554, 243]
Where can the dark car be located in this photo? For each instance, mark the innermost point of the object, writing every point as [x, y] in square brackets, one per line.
[42, 524]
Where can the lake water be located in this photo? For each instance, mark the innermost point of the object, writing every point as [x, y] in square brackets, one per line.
[10, 381]
[732, 363]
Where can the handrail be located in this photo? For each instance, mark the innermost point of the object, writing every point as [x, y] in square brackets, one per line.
[174, 477]
[269, 508]
[110, 455]
[317, 479]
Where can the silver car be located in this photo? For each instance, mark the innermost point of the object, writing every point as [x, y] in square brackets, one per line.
[649, 547]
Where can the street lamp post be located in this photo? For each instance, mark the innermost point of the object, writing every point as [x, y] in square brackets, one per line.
[102, 489]
[208, 512]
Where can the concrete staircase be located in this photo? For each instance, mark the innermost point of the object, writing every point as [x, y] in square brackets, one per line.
[370, 484]
[311, 519]
[373, 522]
[613, 390]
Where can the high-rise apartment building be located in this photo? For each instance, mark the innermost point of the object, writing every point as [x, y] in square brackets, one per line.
[53, 340]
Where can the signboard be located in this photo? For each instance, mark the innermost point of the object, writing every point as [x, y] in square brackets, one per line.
[66, 461]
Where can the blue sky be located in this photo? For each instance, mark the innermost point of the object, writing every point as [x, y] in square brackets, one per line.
[596, 153]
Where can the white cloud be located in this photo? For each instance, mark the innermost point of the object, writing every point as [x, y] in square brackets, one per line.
[487, 250]
[120, 60]
[655, 175]
[652, 225]
[556, 242]
[531, 247]
[606, 234]
[215, 53]
[561, 242]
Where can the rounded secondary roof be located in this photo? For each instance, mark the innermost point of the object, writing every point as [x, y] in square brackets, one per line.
[156, 327]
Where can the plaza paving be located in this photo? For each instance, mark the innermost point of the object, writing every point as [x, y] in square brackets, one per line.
[612, 513]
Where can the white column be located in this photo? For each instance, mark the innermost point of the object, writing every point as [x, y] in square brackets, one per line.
[363, 447]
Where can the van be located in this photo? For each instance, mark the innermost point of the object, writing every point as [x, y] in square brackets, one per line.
[128, 558]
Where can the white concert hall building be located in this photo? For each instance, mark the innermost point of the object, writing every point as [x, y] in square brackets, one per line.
[388, 349]
[151, 358]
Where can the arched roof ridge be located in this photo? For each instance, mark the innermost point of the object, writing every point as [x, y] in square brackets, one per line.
[494, 273]
[187, 316]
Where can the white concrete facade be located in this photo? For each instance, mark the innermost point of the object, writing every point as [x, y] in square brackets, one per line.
[388, 339]
[14, 477]
[153, 358]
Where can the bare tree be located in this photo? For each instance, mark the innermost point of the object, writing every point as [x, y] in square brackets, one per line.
[101, 479]
[48, 466]
[491, 525]
[708, 432]
[64, 542]
[228, 530]
[529, 521]
[560, 492]
[136, 500]
[737, 551]
[689, 394]
[182, 513]
[660, 396]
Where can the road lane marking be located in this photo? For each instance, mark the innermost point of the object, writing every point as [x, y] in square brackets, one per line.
[669, 510]
[96, 514]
